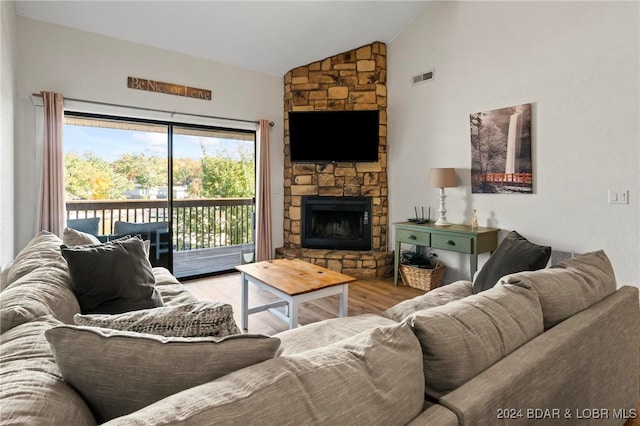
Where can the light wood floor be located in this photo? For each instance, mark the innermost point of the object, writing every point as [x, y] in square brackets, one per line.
[365, 296]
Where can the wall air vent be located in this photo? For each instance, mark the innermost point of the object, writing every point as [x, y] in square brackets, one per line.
[421, 78]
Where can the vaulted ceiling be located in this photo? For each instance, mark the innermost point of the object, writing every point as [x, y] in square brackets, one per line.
[267, 36]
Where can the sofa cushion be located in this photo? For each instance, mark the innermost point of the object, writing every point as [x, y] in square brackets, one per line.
[372, 378]
[118, 372]
[463, 338]
[4, 275]
[74, 237]
[198, 319]
[323, 333]
[44, 291]
[514, 254]
[32, 390]
[42, 248]
[113, 277]
[436, 297]
[569, 286]
[170, 289]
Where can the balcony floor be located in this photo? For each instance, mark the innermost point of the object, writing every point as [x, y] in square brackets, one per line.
[197, 262]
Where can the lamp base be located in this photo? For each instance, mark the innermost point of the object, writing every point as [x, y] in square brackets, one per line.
[442, 222]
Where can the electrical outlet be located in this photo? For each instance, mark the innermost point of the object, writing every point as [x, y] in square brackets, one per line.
[618, 196]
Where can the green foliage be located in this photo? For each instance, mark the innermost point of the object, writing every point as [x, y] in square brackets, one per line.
[91, 178]
[146, 171]
[226, 177]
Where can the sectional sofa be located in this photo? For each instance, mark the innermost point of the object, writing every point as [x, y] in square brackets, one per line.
[554, 346]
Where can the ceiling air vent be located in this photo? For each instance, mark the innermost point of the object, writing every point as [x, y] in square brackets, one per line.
[421, 78]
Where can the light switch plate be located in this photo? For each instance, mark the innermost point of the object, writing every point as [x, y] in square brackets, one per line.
[618, 196]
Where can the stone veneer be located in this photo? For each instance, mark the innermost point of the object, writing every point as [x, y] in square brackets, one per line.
[354, 80]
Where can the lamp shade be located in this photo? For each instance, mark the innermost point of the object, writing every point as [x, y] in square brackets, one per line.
[443, 177]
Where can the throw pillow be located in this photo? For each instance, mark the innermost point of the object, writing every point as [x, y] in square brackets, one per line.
[73, 237]
[198, 319]
[569, 286]
[112, 278]
[371, 378]
[514, 254]
[463, 338]
[436, 297]
[118, 372]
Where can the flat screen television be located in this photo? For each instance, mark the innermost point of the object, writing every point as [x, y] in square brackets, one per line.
[333, 136]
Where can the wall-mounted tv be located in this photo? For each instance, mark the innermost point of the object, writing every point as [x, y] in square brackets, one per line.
[333, 136]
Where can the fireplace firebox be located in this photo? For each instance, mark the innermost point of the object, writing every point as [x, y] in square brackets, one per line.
[338, 223]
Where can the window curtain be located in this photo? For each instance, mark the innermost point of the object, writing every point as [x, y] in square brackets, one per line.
[52, 190]
[263, 199]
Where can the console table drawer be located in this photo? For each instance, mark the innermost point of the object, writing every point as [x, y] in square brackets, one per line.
[452, 243]
[412, 237]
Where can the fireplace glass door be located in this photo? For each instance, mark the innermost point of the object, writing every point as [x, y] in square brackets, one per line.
[336, 223]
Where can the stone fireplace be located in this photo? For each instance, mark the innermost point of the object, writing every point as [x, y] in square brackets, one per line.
[354, 80]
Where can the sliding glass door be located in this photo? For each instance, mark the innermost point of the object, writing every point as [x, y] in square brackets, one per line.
[213, 198]
[116, 179]
[189, 190]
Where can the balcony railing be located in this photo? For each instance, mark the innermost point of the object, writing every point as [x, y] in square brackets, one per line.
[197, 223]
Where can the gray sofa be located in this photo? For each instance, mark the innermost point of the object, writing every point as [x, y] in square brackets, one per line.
[558, 345]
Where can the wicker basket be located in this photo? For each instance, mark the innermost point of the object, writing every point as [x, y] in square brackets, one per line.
[422, 278]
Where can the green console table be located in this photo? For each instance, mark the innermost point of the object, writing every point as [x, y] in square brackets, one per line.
[459, 238]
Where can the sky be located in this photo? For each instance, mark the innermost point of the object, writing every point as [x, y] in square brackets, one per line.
[110, 144]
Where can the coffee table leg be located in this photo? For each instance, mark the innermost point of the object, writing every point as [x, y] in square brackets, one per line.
[293, 314]
[344, 301]
[244, 304]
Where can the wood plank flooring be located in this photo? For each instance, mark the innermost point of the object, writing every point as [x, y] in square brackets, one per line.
[365, 296]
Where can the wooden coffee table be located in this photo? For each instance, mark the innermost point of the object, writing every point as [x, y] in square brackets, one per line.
[294, 281]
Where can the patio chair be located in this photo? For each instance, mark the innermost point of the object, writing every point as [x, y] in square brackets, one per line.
[152, 231]
[89, 225]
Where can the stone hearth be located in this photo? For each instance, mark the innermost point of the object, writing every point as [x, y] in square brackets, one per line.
[354, 80]
[363, 264]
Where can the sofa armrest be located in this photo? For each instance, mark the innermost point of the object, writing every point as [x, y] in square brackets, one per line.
[587, 362]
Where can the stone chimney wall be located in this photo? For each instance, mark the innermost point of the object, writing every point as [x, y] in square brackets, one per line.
[354, 80]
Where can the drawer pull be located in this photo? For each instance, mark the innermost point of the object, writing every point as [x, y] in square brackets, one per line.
[451, 242]
[412, 237]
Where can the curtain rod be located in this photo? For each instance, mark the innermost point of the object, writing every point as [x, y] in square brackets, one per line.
[271, 123]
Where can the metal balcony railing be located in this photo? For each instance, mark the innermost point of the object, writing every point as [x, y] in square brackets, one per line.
[197, 223]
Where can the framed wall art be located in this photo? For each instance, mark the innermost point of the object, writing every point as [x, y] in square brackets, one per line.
[501, 151]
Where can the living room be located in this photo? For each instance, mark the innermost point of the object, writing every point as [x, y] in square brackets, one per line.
[576, 63]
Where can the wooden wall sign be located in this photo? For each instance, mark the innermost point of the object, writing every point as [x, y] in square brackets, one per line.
[171, 89]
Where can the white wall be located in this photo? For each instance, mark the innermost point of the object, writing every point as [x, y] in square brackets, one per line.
[578, 64]
[7, 101]
[87, 66]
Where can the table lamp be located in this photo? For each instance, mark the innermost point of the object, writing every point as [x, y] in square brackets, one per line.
[444, 177]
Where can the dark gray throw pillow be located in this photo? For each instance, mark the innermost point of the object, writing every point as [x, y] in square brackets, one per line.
[514, 254]
[112, 278]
